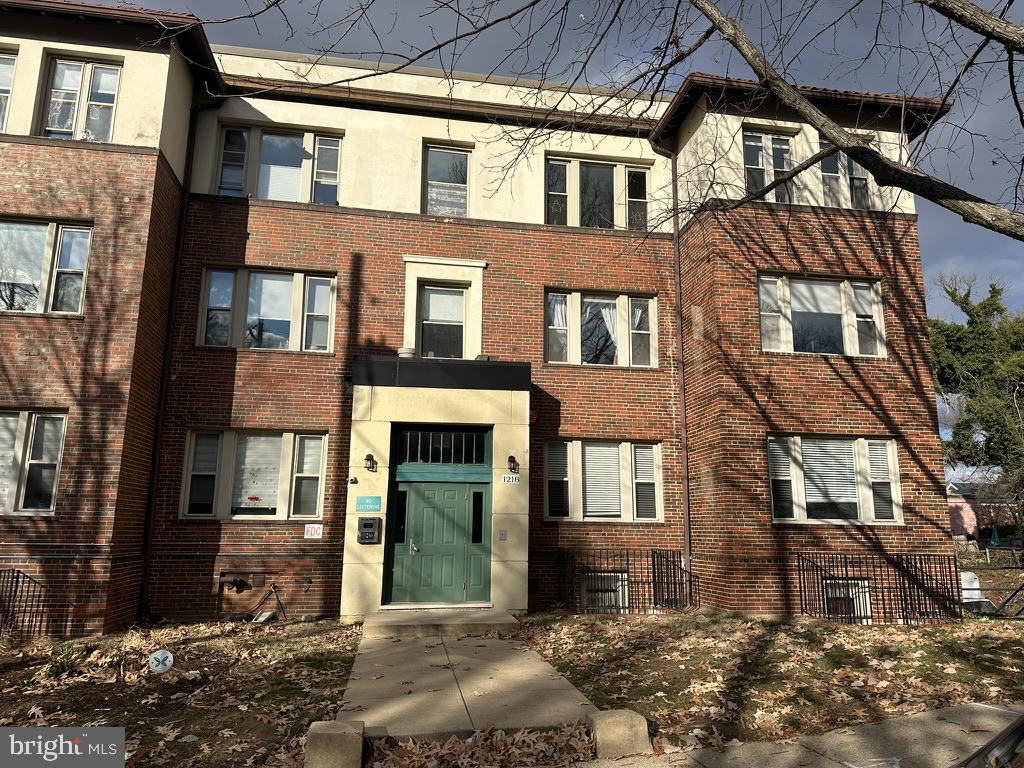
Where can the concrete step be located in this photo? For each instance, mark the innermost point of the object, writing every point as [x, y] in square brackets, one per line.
[437, 622]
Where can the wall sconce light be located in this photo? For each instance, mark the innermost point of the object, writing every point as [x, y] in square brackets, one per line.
[370, 463]
[513, 465]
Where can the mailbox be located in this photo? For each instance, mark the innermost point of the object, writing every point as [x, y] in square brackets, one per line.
[369, 530]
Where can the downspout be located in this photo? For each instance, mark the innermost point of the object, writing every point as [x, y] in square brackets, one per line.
[165, 372]
[677, 276]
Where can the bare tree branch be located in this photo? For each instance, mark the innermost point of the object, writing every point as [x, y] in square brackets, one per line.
[978, 20]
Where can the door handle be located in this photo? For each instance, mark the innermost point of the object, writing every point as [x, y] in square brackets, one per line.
[413, 549]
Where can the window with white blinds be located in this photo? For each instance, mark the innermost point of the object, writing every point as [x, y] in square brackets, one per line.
[31, 446]
[603, 481]
[645, 501]
[833, 479]
[260, 475]
[821, 316]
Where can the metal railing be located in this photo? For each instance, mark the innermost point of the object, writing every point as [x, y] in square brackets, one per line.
[625, 581]
[880, 589]
[26, 608]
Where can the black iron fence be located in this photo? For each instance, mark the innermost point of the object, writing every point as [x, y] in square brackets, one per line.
[27, 609]
[625, 581]
[880, 589]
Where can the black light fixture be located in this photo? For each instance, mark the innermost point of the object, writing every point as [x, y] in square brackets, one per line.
[370, 463]
[513, 465]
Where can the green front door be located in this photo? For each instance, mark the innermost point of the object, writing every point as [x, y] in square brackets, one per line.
[438, 543]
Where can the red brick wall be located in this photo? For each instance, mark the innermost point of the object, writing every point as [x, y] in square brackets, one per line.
[89, 366]
[294, 390]
[737, 394]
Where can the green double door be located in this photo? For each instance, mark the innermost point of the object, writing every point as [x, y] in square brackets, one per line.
[439, 543]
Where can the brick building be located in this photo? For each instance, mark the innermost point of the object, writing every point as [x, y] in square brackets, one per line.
[264, 333]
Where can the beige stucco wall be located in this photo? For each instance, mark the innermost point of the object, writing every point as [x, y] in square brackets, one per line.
[710, 165]
[374, 410]
[153, 91]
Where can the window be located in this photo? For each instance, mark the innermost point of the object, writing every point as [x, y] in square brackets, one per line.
[603, 481]
[556, 467]
[597, 196]
[847, 600]
[80, 103]
[446, 182]
[821, 316]
[42, 267]
[834, 479]
[462, 447]
[605, 592]
[232, 162]
[442, 321]
[765, 157]
[326, 170]
[280, 167]
[31, 445]
[261, 475]
[281, 310]
[289, 166]
[556, 209]
[6, 82]
[844, 181]
[557, 320]
[636, 199]
[600, 330]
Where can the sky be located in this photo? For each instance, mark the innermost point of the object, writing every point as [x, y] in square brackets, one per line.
[905, 51]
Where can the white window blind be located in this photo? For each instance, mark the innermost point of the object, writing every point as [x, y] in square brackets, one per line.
[257, 474]
[557, 468]
[771, 313]
[203, 479]
[779, 472]
[644, 492]
[601, 480]
[280, 167]
[881, 480]
[308, 461]
[830, 478]
[816, 296]
[8, 478]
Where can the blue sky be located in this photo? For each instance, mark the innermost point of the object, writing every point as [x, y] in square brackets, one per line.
[909, 46]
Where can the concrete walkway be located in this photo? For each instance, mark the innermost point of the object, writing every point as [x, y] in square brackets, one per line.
[448, 683]
[936, 739]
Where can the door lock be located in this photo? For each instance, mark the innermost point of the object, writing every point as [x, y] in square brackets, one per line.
[413, 549]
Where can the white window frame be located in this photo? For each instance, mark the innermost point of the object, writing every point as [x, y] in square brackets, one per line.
[50, 268]
[845, 167]
[317, 169]
[433, 270]
[862, 468]
[646, 199]
[5, 93]
[251, 165]
[624, 332]
[420, 319]
[620, 191]
[567, 479]
[768, 137]
[240, 303]
[452, 149]
[627, 475]
[17, 472]
[82, 99]
[849, 315]
[224, 481]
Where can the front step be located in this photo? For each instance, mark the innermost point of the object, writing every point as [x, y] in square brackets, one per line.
[435, 622]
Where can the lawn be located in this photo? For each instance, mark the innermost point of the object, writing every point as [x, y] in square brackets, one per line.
[705, 680]
[238, 695]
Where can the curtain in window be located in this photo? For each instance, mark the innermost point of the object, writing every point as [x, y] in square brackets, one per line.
[558, 327]
[280, 167]
[771, 313]
[830, 479]
[257, 474]
[8, 433]
[601, 480]
[817, 309]
[598, 332]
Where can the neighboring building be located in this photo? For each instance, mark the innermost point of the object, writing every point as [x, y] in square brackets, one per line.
[963, 518]
[288, 237]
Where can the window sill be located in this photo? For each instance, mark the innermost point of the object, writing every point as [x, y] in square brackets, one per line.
[599, 366]
[266, 351]
[251, 519]
[843, 523]
[602, 521]
[28, 513]
[823, 354]
[45, 315]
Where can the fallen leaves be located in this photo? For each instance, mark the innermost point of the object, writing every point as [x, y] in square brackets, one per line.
[562, 746]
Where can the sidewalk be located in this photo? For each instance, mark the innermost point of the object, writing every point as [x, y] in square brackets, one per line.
[442, 685]
[935, 739]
